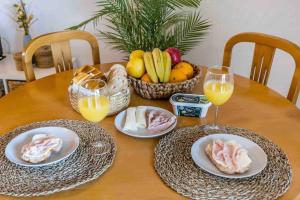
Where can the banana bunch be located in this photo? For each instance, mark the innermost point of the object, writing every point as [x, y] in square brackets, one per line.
[158, 65]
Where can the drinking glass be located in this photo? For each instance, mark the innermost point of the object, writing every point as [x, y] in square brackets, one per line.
[93, 105]
[93, 100]
[218, 88]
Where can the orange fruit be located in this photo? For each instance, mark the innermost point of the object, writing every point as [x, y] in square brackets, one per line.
[146, 78]
[177, 76]
[185, 68]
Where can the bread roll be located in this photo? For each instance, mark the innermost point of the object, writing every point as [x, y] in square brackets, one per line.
[117, 79]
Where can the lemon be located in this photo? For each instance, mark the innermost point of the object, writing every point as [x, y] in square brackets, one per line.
[136, 54]
[136, 67]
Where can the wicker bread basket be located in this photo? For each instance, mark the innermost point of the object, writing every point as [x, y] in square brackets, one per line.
[164, 90]
[43, 57]
[118, 101]
[18, 61]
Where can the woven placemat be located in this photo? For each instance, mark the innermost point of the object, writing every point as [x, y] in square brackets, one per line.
[87, 163]
[174, 164]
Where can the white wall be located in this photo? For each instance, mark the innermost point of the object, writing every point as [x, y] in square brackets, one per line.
[229, 17]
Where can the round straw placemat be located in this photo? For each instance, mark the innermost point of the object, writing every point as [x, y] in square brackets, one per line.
[87, 163]
[174, 164]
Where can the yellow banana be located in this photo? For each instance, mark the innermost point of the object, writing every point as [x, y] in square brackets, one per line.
[158, 63]
[167, 63]
[148, 60]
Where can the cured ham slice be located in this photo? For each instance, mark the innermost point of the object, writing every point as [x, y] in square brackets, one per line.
[229, 157]
[40, 148]
[159, 121]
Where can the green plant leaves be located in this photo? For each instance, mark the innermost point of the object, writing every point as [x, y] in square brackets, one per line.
[147, 24]
[184, 3]
[190, 31]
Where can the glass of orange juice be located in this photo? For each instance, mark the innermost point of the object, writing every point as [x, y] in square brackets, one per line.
[218, 88]
[93, 100]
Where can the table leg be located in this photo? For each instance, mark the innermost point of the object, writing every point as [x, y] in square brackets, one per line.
[5, 86]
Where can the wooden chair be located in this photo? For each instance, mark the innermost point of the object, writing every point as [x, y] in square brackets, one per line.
[61, 51]
[265, 47]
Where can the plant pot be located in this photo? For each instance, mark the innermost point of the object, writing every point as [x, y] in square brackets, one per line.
[18, 61]
[26, 39]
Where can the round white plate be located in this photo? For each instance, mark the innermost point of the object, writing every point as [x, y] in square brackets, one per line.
[255, 152]
[142, 132]
[69, 138]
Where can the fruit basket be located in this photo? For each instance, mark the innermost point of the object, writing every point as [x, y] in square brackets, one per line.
[165, 90]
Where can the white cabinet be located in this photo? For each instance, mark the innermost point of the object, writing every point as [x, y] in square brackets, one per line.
[9, 72]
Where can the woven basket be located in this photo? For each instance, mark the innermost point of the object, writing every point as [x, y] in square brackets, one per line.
[164, 90]
[18, 61]
[43, 57]
[118, 101]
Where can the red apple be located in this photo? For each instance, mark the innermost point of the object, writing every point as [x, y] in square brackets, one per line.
[175, 55]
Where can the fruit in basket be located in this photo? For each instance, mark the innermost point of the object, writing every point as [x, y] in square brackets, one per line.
[177, 76]
[167, 62]
[158, 63]
[175, 55]
[136, 54]
[185, 68]
[136, 68]
[150, 68]
[158, 66]
[146, 78]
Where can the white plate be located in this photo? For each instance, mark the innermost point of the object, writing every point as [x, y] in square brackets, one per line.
[142, 132]
[69, 138]
[255, 152]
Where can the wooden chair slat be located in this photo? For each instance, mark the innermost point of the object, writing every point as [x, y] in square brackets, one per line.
[61, 50]
[265, 48]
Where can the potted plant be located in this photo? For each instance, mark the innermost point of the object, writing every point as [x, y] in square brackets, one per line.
[156, 33]
[24, 21]
[149, 24]
[43, 56]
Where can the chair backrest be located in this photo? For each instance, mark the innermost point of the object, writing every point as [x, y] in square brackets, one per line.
[265, 47]
[61, 51]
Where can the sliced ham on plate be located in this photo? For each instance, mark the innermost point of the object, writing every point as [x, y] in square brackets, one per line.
[40, 148]
[229, 157]
[159, 121]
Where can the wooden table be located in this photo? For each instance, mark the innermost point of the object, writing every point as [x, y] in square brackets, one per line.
[132, 175]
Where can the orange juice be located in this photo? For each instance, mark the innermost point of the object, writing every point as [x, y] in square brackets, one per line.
[94, 108]
[217, 92]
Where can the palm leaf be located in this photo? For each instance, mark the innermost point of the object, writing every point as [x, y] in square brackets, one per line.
[190, 32]
[147, 24]
[184, 3]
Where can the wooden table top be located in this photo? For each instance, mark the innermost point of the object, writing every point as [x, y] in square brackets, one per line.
[132, 175]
